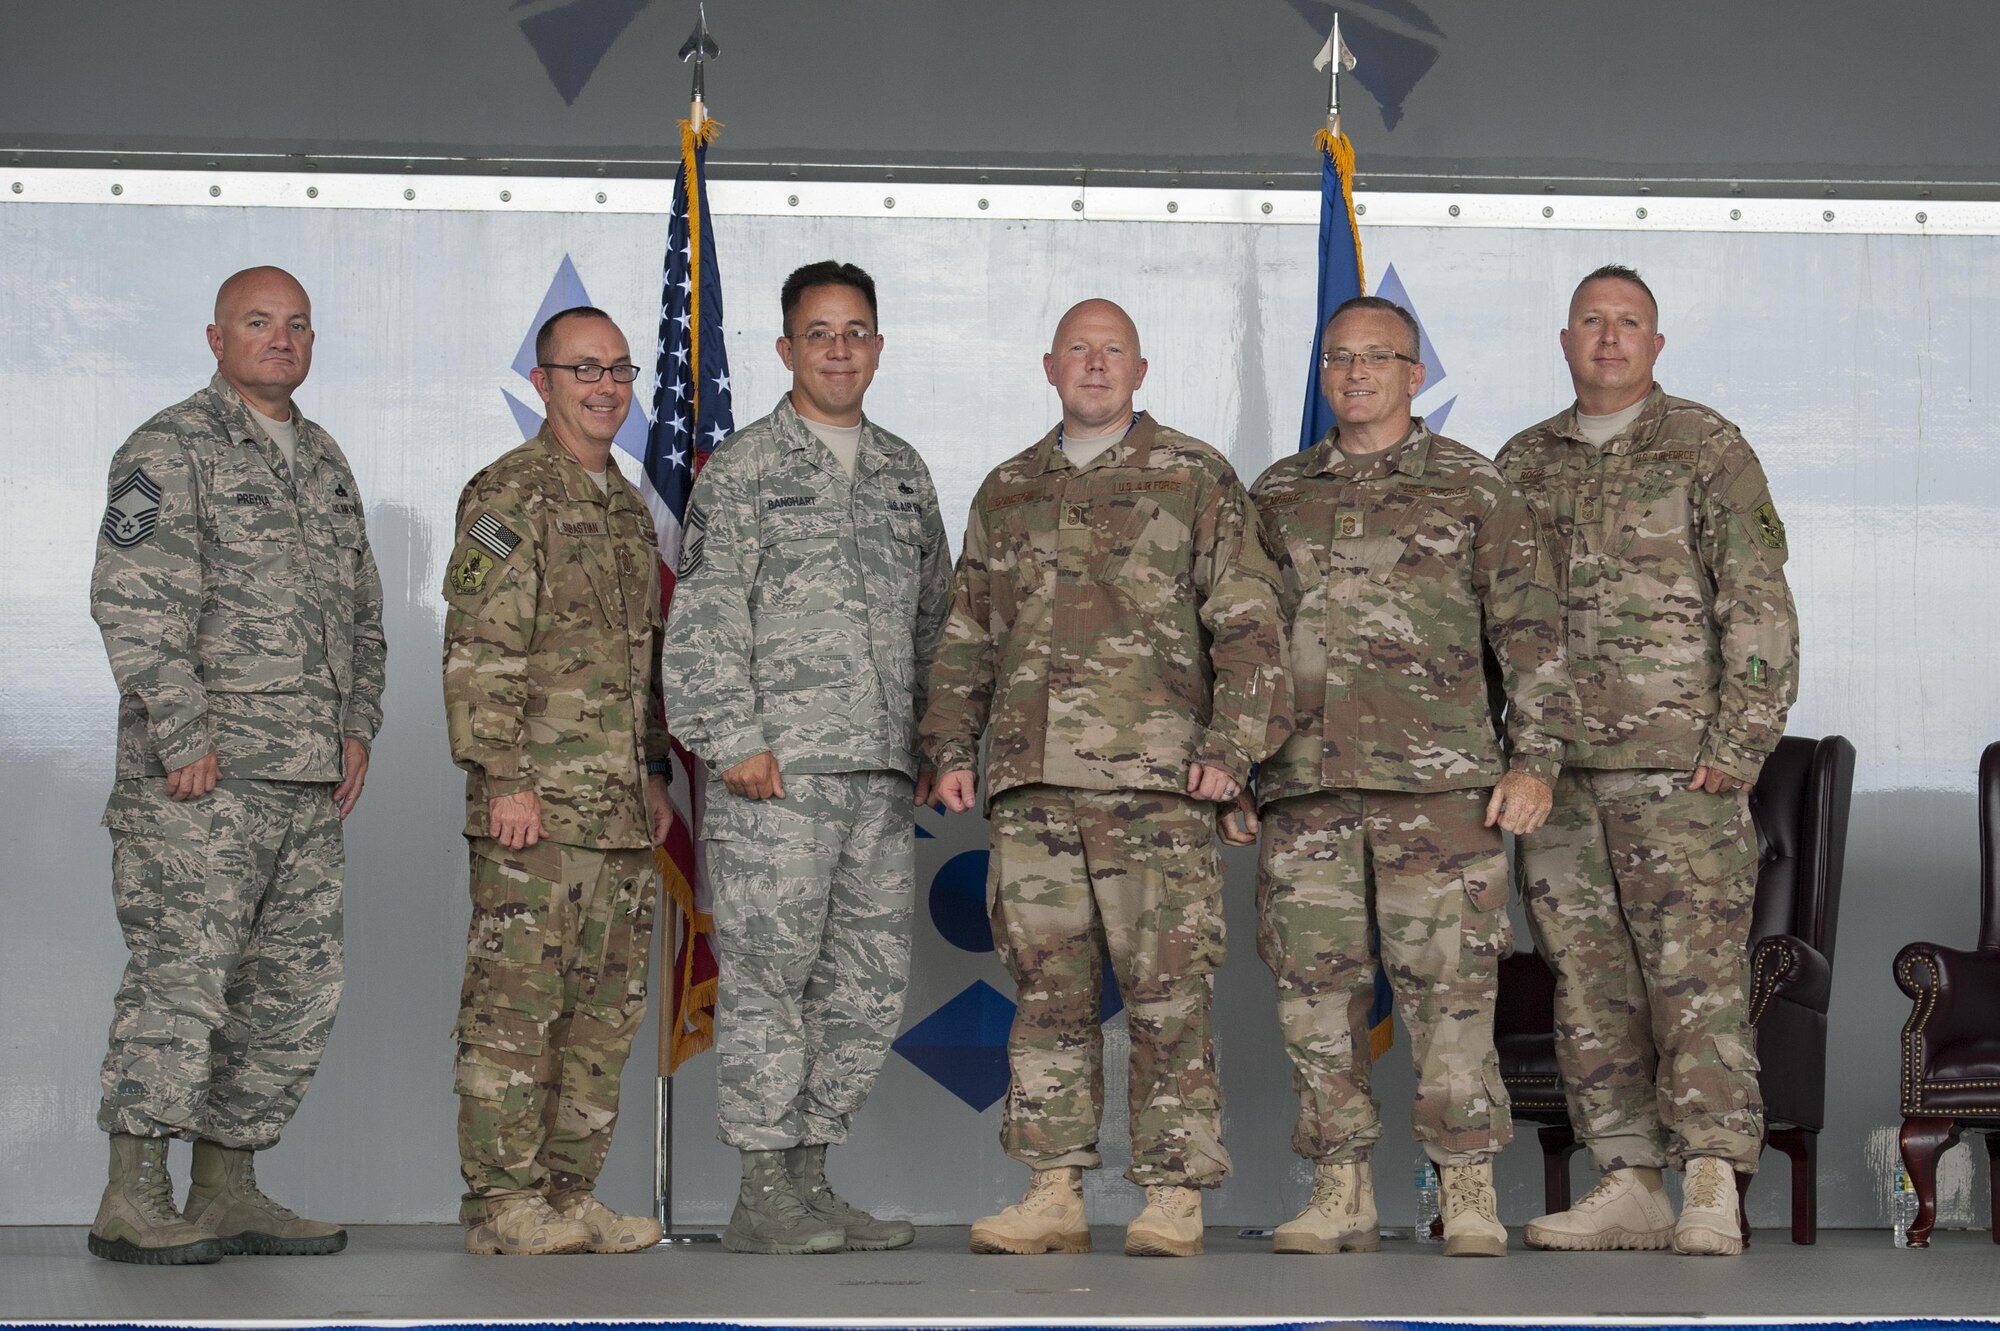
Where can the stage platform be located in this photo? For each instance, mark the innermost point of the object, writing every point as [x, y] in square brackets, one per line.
[418, 1274]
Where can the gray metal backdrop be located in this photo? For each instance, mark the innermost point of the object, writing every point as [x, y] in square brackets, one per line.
[1862, 366]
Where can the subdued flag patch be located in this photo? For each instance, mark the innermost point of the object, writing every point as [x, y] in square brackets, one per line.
[134, 510]
[492, 533]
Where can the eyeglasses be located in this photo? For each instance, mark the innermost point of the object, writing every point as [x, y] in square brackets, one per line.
[822, 339]
[1374, 359]
[590, 374]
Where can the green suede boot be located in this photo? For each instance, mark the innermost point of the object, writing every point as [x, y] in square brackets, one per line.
[865, 1233]
[137, 1220]
[225, 1198]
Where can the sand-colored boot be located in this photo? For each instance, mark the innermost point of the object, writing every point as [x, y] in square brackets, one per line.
[1708, 1225]
[1472, 1225]
[525, 1226]
[137, 1221]
[1170, 1226]
[770, 1217]
[1339, 1216]
[225, 1198]
[609, 1231]
[1627, 1209]
[865, 1233]
[1049, 1218]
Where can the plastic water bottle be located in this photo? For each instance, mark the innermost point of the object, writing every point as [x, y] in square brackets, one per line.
[1426, 1179]
[1902, 1206]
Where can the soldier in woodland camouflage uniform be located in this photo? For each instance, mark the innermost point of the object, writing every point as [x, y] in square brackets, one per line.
[813, 585]
[552, 699]
[1115, 636]
[1404, 553]
[242, 614]
[1683, 643]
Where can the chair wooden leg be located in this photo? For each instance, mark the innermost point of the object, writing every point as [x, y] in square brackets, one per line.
[1558, 1145]
[1802, 1145]
[1923, 1140]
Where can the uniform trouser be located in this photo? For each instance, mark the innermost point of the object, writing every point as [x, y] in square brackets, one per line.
[1076, 875]
[812, 934]
[555, 988]
[1423, 869]
[1640, 894]
[230, 906]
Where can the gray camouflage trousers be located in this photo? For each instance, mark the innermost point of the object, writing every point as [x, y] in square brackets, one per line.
[554, 990]
[1639, 891]
[230, 905]
[1423, 868]
[813, 895]
[1077, 875]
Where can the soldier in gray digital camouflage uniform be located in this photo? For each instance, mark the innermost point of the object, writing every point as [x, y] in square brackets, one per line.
[1683, 643]
[1404, 554]
[813, 583]
[1115, 638]
[242, 615]
[552, 705]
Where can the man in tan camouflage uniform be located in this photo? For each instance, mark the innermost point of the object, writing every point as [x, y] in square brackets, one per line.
[552, 701]
[1404, 554]
[1683, 643]
[242, 614]
[1114, 634]
[812, 589]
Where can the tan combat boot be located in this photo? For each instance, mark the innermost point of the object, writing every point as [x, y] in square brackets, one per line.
[1339, 1216]
[137, 1220]
[1170, 1226]
[1472, 1225]
[609, 1231]
[525, 1226]
[225, 1198]
[1048, 1219]
[1708, 1226]
[1627, 1209]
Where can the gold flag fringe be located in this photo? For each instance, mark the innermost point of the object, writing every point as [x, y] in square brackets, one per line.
[1341, 151]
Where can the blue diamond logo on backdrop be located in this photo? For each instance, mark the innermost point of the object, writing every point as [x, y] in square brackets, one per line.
[565, 293]
[963, 1045]
[571, 40]
[1391, 288]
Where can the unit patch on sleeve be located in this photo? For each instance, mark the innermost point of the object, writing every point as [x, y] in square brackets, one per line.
[468, 575]
[1769, 529]
[694, 543]
[492, 533]
[134, 510]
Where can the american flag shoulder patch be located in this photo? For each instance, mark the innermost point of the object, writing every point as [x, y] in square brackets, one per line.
[696, 544]
[494, 534]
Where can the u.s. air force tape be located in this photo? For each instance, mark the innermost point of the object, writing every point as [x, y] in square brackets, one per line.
[492, 533]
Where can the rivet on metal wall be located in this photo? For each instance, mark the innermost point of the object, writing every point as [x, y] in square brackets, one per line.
[792, 199]
[1173, 207]
[1922, 218]
[889, 202]
[506, 196]
[1454, 210]
[1361, 210]
[409, 194]
[1826, 216]
[1641, 214]
[312, 191]
[600, 196]
[1735, 214]
[17, 187]
[982, 205]
[117, 189]
[1267, 207]
[215, 191]
[1076, 205]
[1548, 211]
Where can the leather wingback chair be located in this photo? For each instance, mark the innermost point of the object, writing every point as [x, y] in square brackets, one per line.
[1951, 1043]
[1800, 806]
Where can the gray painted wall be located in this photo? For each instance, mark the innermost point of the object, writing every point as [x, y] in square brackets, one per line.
[1862, 367]
[1781, 91]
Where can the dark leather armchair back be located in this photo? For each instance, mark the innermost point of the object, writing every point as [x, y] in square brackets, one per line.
[1800, 807]
[1989, 830]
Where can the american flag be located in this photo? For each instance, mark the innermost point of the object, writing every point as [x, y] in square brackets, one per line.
[691, 416]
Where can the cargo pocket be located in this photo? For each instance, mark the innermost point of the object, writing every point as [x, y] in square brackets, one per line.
[1488, 932]
[1739, 1057]
[763, 893]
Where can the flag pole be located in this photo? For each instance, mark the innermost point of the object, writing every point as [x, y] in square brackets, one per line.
[698, 50]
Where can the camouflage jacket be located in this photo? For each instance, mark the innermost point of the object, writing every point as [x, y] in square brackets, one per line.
[1683, 641]
[1398, 568]
[807, 605]
[238, 599]
[1110, 624]
[552, 646]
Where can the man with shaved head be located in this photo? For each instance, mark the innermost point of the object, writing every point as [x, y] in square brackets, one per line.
[1114, 637]
[242, 615]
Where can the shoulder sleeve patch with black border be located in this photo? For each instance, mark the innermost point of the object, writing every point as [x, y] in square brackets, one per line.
[134, 510]
[694, 542]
